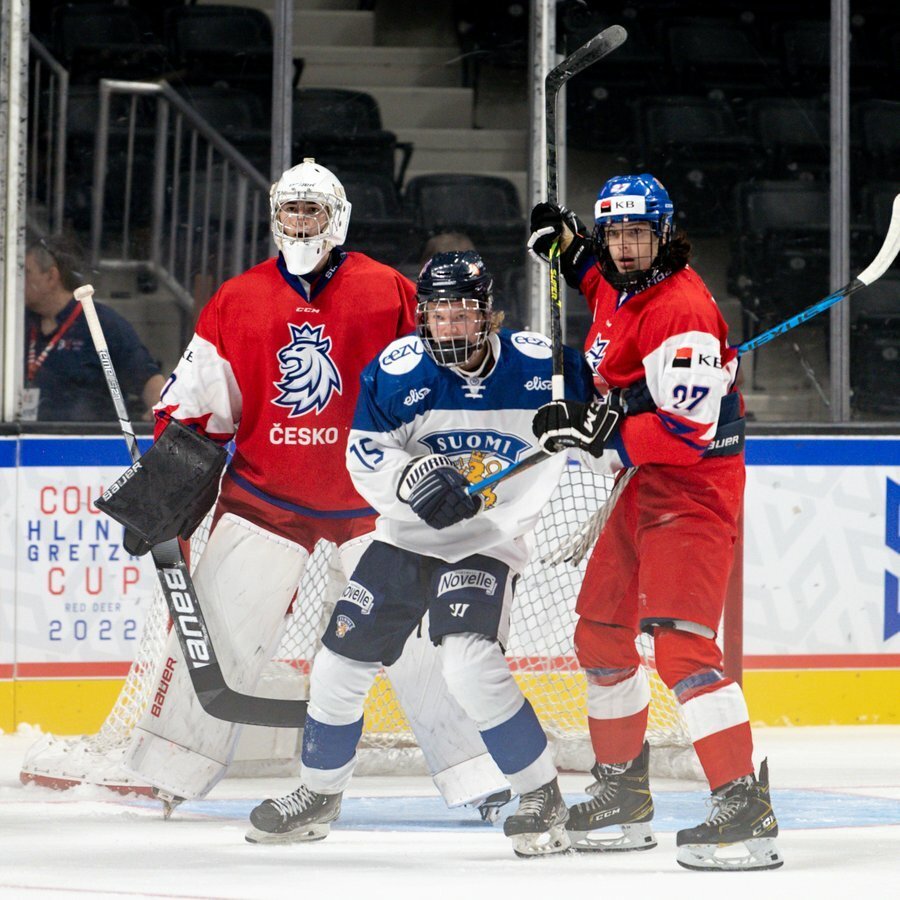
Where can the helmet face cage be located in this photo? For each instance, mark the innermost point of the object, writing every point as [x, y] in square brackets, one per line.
[450, 286]
[308, 206]
[631, 198]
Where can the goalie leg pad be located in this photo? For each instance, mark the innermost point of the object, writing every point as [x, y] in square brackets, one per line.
[455, 754]
[478, 675]
[168, 491]
[245, 581]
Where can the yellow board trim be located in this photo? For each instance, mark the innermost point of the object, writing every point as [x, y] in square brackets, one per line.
[774, 697]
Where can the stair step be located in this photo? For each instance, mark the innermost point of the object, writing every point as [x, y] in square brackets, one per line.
[422, 107]
[354, 28]
[328, 66]
[789, 406]
[467, 150]
[268, 6]
[518, 177]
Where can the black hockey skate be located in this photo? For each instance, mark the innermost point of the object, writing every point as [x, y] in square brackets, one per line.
[303, 815]
[740, 831]
[537, 827]
[621, 797]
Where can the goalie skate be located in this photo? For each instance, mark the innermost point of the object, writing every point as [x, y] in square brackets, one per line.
[739, 832]
[621, 797]
[537, 827]
[301, 816]
[489, 808]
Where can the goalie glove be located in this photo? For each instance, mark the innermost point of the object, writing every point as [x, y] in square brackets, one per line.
[436, 491]
[168, 491]
[550, 222]
[589, 426]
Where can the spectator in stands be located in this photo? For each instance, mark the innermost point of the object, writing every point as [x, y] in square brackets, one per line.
[445, 242]
[64, 380]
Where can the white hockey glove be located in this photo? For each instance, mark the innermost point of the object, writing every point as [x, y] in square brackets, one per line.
[590, 425]
[436, 491]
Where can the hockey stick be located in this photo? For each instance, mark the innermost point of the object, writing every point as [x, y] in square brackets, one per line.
[870, 274]
[596, 48]
[214, 695]
[882, 262]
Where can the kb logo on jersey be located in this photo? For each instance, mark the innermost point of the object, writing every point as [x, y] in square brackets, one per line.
[309, 375]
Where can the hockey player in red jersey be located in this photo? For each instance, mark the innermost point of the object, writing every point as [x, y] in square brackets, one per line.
[274, 365]
[670, 407]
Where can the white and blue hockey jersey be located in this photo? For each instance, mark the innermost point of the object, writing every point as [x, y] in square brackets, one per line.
[409, 406]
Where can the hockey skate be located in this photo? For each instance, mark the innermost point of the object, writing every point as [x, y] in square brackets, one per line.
[303, 815]
[621, 797]
[489, 808]
[739, 833]
[537, 827]
[169, 800]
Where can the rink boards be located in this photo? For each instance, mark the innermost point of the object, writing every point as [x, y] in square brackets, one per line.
[821, 570]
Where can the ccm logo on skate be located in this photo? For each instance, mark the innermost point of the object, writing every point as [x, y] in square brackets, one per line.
[163, 688]
[188, 624]
[467, 578]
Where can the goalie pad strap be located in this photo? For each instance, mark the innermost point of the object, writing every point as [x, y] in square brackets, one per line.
[168, 491]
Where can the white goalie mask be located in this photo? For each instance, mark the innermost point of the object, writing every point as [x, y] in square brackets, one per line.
[310, 215]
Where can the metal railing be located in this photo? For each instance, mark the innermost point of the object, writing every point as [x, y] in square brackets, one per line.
[47, 123]
[208, 204]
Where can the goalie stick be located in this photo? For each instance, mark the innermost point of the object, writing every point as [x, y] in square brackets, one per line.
[882, 262]
[212, 691]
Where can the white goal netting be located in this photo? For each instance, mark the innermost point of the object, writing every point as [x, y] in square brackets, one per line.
[540, 654]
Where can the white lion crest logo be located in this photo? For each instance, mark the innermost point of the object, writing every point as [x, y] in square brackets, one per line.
[310, 377]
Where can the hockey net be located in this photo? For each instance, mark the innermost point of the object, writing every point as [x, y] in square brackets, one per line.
[540, 654]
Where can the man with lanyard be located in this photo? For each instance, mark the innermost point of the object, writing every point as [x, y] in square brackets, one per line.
[63, 377]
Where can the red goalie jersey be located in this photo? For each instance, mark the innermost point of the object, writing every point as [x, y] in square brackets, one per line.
[278, 371]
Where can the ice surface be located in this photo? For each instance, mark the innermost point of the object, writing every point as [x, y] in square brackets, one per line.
[836, 792]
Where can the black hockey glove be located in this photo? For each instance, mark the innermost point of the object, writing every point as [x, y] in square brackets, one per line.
[168, 491]
[549, 222]
[589, 426]
[436, 491]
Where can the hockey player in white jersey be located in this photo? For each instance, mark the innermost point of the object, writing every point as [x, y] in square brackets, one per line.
[431, 406]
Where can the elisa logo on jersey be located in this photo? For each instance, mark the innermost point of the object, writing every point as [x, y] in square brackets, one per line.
[532, 344]
[682, 358]
[402, 356]
[359, 596]
[415, 395]
[309, 375]
[344, 625]
[489, 443]
[470, 579]
[538, 384]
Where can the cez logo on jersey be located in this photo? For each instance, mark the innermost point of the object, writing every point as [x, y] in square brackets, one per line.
[310, 376]
[493, 443]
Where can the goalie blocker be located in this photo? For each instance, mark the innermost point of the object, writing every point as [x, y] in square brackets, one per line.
[167, 492]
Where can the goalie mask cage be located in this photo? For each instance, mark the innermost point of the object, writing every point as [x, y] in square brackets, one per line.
[540, 654]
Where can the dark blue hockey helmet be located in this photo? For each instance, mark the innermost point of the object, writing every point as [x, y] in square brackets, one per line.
[632, 198]
[458, 278]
